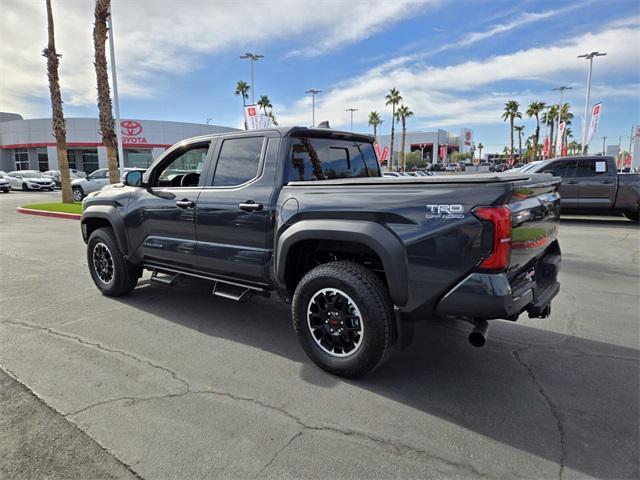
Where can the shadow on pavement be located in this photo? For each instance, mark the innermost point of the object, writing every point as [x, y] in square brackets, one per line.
[559, 397]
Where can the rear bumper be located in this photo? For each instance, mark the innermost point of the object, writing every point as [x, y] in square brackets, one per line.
[493, 295]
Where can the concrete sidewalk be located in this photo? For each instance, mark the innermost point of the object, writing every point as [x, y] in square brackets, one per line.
[37, 442]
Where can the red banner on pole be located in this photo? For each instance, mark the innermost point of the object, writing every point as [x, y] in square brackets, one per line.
[385, 152]
[376, 147]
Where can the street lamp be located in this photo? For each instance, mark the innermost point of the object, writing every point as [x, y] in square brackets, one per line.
[116, 98]
[588, 56]
[253, 57]
[561, 89]
[313, 93]
[351, 110]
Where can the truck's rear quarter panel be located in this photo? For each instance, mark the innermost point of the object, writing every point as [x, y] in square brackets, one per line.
[434, 221]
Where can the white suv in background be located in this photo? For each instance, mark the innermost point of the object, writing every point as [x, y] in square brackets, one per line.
[82, 187]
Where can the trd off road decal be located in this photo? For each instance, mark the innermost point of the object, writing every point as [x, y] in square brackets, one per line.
[445, 211]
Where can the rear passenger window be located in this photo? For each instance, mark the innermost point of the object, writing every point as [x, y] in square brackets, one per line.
[591, 167]
[326, 159]
[238, 161]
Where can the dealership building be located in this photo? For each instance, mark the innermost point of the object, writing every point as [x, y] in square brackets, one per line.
[436, 146]
[28, 144]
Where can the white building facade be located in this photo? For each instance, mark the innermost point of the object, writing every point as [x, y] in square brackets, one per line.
[436, 146]
[28, 144]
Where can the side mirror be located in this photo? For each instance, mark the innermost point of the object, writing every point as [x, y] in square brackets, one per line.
[133, 178]
[548, 171]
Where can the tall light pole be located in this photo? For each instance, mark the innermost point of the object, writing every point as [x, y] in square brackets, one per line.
[351, 110]
[588, 56]
[560, 89]
[313, 93]
[253, 57]
[116, 98]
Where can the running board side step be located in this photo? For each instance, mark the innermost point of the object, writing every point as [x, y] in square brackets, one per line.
[165, 279]
[235, 293]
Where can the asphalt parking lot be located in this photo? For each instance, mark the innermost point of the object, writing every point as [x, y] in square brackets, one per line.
[175, 383]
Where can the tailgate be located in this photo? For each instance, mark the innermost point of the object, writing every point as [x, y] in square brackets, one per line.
[535, 214]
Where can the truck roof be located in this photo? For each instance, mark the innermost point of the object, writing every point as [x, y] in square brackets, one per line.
[288, 132]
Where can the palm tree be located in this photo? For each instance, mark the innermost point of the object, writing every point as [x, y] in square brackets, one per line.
[402, 114]
[393, 99]
[242, 89]
[548, 118]
[511, 113]
[59, 125]
[519, 129]
[265, 103]
[534, 110]
[480, 147]
[374, 121]
[107, 125]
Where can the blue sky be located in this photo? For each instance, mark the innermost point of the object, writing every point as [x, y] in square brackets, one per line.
[454, 62]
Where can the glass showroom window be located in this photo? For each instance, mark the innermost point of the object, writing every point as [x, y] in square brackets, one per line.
[43, 159]
[21, 156]
[90, 161]
[137, 158]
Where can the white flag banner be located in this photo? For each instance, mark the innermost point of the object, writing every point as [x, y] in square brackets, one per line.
[255, 119]
[560, 137]
[595, 120]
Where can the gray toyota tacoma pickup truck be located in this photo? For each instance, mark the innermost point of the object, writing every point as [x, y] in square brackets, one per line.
[592, 185]
[306, 213]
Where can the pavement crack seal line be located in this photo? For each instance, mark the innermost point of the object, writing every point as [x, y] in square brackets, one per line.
[277, 454]
[396, 447]
[552, 407]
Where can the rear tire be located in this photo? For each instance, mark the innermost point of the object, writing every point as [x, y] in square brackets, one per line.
[357, 303]
[111, 272]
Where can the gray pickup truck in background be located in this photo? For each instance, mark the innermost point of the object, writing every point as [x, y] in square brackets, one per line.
[592, 185]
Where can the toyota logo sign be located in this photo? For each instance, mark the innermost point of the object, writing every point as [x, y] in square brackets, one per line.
[130, 127]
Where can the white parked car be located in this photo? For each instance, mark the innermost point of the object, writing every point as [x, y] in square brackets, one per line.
[30, 180]
[5, 186]
[82, 187]
[452, 167]
[55, 174]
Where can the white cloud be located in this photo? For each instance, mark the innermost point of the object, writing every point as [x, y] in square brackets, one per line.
[167, 37]
[457, 94]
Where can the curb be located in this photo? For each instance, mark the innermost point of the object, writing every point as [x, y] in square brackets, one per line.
[45, 213]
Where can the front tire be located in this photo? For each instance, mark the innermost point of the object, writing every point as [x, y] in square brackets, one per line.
[343, 317]
[111, 272]
[78, 194]
[633, 216]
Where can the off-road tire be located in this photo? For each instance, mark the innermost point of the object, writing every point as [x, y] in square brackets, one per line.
[374, 303]
[633, 216]
[125, 274]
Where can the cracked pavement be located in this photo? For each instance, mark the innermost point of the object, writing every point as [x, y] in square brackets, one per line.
[174, 383]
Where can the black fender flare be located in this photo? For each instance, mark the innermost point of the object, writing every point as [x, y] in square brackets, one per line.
[379, 239]
[111, 214]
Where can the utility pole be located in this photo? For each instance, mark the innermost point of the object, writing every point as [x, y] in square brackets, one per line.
[604, 139]
[252, 57]
[561, 89]
[116, 98]
[351, 110]
[313, 93]
[588, 56]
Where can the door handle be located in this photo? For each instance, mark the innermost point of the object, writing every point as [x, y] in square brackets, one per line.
[606, 182]
[250, 206]
[571, 182]
[185, 203]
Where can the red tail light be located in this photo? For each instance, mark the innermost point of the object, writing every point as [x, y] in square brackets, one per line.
[500, 219]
